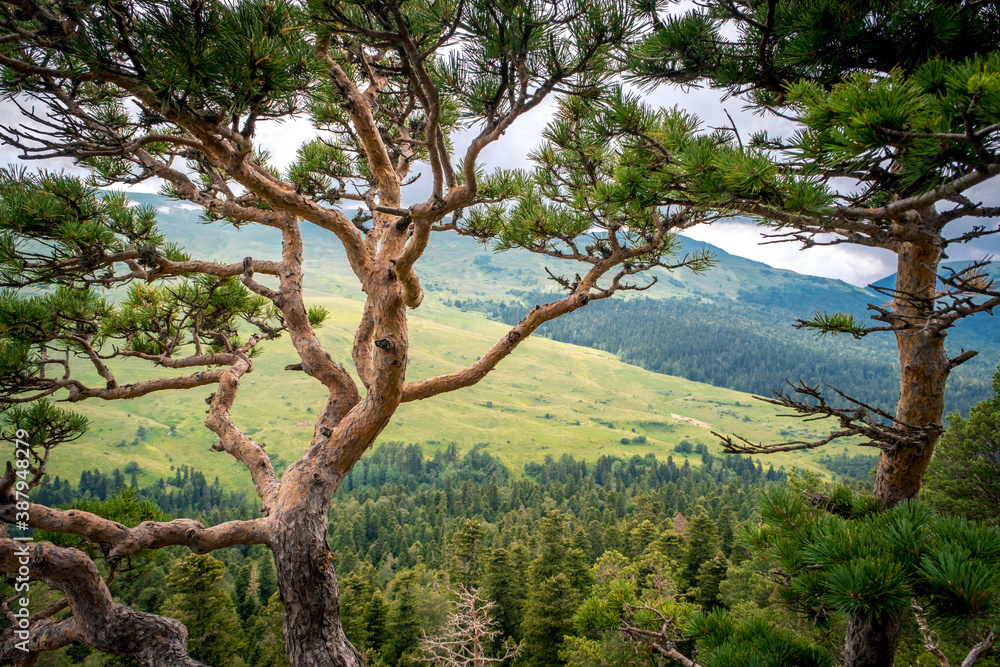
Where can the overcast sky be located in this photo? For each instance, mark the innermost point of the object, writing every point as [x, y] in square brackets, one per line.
[856, 265]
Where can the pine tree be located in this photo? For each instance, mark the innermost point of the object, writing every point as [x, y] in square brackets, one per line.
[267, 581]
[271, 645]
[548, 617]
[505, 586]
[197, 598]
[711, 573]
[467, 552]
[403, 622]
[244, 594]
[176, 93]
[964, 479]
[557, 580]
[700, 546]
[894, 109]
[879, 566]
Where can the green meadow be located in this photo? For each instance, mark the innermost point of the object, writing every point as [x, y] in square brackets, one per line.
[547, 399]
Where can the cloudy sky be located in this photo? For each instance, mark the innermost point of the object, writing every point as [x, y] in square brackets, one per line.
[856, 265]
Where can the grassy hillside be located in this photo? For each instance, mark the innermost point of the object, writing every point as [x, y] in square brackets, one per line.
[550, 398]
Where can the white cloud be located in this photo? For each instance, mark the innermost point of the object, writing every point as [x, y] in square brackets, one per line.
[850, 263]
[853, 264]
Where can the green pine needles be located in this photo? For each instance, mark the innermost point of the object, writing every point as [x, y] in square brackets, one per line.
[845, 553]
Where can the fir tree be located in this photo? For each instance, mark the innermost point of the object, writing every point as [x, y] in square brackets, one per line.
[555, 582]
[710, 575]
[271, 645]
[403, 622]
[244, 594]
[505, 586]
[197, 598]
[964, 479]
[700, 546]
[467, 552]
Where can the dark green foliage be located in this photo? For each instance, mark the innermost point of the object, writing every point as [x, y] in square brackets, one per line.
[808, 40]
[613, 504]
[505, 584]
[855, 559]
[725, 642]
[964, 477]
[197, 598]
[738, 345]
[267, 578]
[701, 545]
[557, 581]
[245, 595]
[710, 575]
[271, 644]
[49, 219]
[859, 466]
[364, 609]
[61, 235]
[467, 553]
[548, 617]
[402, 623]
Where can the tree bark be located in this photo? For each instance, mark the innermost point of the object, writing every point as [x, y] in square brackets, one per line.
[310, 594]
[923, 371]
[872, 643]
[98, 621]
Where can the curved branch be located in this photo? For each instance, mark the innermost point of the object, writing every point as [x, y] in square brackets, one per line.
[929, 198]
[413, 391]
[233, 441]
[124, 541]
[79, 392]
[154, 641]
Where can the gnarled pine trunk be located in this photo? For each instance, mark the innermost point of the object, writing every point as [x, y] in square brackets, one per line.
[872, 643]
[309, 592]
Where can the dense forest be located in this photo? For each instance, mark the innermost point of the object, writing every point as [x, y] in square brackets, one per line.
[411, 531]
[747, 344]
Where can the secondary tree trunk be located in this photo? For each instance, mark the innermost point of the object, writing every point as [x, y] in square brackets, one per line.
[872, 644]
[923, 371]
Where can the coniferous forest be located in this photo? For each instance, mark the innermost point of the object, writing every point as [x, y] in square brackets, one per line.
[412, 529]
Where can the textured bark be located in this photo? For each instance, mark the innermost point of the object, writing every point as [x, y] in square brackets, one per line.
[124, 542]
[923, 371]
[383, 258]
[154, 641]
[872, 643]
[309, 591]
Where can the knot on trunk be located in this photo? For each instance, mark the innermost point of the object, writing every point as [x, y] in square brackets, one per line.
[385, 344]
